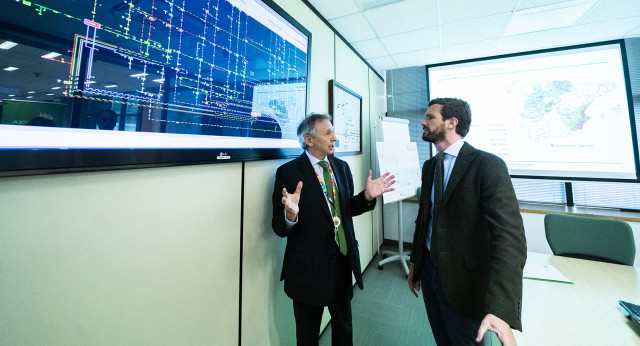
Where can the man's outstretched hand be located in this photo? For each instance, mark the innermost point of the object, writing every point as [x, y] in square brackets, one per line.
[377, 187]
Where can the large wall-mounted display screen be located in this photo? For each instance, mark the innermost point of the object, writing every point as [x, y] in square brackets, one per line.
[120, 83]
[554, 114]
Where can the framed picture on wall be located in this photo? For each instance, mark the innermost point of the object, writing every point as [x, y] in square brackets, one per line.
[345, 107]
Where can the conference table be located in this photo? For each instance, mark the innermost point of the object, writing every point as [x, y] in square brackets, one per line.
[582, 313]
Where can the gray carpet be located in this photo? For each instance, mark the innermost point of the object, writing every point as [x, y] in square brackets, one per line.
[385, 313]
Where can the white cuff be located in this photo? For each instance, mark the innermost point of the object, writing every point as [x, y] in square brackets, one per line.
[288, 223]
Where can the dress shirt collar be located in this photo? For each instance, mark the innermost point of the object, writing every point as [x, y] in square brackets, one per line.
[454, 149]
[314, 160]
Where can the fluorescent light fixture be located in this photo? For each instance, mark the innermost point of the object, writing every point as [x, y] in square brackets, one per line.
[159, 80]
[31, 92]
[111, 86]
[11, 68]
[50, 94]
[55, 88]
[51, 55]
[138, 75]
[7, 45]
[89, 82]
[548, 17]
[29, 97]
[12, 95]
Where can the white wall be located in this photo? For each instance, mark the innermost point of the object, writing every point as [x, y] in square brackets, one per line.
[153, 256]
[130, 257]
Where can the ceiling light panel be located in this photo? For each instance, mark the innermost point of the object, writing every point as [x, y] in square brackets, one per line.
[547, 17]
[526, 4]
[7, 45]
[371, 4]
[51, 55]
[530, 41]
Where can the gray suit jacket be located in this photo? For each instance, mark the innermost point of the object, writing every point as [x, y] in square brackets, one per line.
[480, 247]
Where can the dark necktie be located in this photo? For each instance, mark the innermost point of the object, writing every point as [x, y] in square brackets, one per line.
[335, 206]
[438, 191]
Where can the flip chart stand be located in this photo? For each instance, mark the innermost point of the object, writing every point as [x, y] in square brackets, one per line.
[401, 255]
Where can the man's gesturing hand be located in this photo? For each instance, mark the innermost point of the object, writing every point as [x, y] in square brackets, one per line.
[376, 187]
[290, 201]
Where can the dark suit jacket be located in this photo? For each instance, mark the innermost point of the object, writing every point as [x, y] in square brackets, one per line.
[309, 261]
[480, 247]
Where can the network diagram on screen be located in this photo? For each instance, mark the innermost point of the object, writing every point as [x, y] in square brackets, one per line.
[560, 113]
[169, 74]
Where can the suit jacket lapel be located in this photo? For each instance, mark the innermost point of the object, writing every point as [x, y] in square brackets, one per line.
[312, 180]
[465, 156]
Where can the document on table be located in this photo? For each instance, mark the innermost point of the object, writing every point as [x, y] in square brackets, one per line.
[545, 272]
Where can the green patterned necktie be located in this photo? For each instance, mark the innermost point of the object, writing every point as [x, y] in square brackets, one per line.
[335, 206]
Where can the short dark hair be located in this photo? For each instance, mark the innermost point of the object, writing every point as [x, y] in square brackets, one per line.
[308, 126]
[455, 108]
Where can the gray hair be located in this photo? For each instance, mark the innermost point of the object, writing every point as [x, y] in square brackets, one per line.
[308, 126]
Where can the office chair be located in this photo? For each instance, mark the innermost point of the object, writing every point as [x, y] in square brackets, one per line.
[597, 239]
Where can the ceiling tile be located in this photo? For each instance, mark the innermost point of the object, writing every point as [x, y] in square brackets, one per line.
[331, 9]
[417, 58]
[408, 15]
[527, 4]
[370, 48]
[611, 9]
[382, 63]
[412, 41]
[530, 41]
[600, 31]
[474, 30]
[634, 33]
[353, 27]
[452, 11]
[470, 50]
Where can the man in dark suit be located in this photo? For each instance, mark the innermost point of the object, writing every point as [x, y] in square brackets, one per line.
[469, 246]
[313, 206]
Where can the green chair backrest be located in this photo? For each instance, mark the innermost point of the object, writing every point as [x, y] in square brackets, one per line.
[605, 240]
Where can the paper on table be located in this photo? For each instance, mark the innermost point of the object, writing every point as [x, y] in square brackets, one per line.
[546, 272]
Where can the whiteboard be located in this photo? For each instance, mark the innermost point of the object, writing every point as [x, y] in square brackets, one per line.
[395, 130]
[399, 156]
[400, 159]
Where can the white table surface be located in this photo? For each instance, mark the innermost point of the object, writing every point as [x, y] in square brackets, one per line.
[582, 313]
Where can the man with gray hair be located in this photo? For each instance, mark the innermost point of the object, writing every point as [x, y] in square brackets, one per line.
[313, 206]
